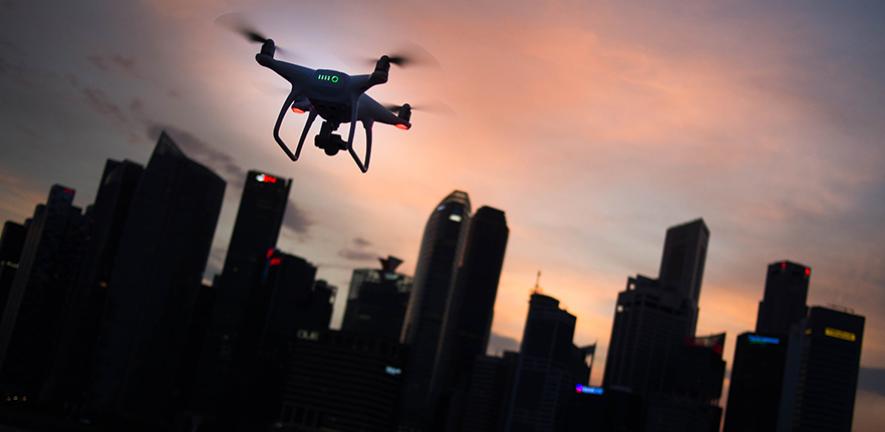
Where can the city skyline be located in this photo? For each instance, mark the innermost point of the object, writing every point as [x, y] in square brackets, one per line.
[823, 210]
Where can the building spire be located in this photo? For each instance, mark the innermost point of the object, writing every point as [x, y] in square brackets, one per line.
[537, 289]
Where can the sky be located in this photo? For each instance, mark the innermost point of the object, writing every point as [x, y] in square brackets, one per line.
[594, 125]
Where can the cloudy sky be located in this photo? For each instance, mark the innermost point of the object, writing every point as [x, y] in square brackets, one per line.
[594, 125]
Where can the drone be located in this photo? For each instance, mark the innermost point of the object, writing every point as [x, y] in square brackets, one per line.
[334, 96]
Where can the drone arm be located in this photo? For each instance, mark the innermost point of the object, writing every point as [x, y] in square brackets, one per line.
[368, 125]
[276, 128]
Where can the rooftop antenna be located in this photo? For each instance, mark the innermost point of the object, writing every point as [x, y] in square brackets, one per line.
[537, 289]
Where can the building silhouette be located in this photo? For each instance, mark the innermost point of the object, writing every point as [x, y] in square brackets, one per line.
[104, 220]
[783, 303]
[654, 317]
[756, 379]
[341, 381]
[256, 228]
[488, 393]
[548, 369]
[12, 240]
[154, 284]
[467, 323]
[760, 357]
[377, 301]
[820, 378]
[32, 315]
[440, 254]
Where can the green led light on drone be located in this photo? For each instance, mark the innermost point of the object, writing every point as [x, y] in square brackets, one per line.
[331, 78]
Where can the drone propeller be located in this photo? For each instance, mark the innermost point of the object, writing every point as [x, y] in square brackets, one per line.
[413, 56]
[433, 108]
[237, 24]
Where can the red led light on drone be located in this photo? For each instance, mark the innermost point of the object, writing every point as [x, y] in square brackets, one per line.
[807, 271]
[402, 126]
[297, 110]
[275, 262]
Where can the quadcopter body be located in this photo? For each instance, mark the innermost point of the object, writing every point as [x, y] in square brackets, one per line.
[336, 97]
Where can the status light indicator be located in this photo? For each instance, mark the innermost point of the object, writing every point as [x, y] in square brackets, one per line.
[275, 262]
[840, 334]
[764, 340]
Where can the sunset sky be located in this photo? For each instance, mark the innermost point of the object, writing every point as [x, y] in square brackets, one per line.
[594, 125]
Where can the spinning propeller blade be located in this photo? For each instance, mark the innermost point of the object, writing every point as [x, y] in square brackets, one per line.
[237, 24]
[432, 108]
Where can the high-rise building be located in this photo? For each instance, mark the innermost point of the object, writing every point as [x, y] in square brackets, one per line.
[549, 368]
[756, 379]
[682, 263]
[285, 300]
[654, 317]
[468, 319]
[488, 393]
[341, 381]
[601, 409]
[11, 242]
[820, 378]
[440, 254]
[82, 317]
[153, 286]
[377, 301]
[783, 304]
[45, 275]
[256, 228]
[649, 329]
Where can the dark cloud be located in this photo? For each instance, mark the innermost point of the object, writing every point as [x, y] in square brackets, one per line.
[296, 219]
[499, 343]
[358, 251]
[115, 63]
[872, 380]
[99, 101]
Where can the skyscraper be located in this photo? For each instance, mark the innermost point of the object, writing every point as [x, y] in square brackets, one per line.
[783, 304]
[11, 242]
[682, 263]
[756, 379]
[257, 226]
[549, 368]
[45, 275]
[820, 379]
[468, 319]
[440, 254]
[649, 329]
[472, 302]
[156, 277]
[377, 300]
[82, 316]
[654, 317]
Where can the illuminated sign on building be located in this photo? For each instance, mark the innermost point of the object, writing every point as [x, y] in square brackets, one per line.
[763, 340]
[840, 334]
[264, 178]
[394, 371]
[308, 335]
[580, 388]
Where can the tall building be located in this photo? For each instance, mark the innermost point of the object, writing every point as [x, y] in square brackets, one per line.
[11, 242]
[45, 274]
[153, 286]
[255, 232]
[82, 317]
[488, 393]
[654, 317]
[756, 378]
[285, 300]
[783, 304]
[341, 381]
[471, 303]
[682, 263]
[649, 329]
[820, 378]
[377, 300]
[440, 254]
[549, 368]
